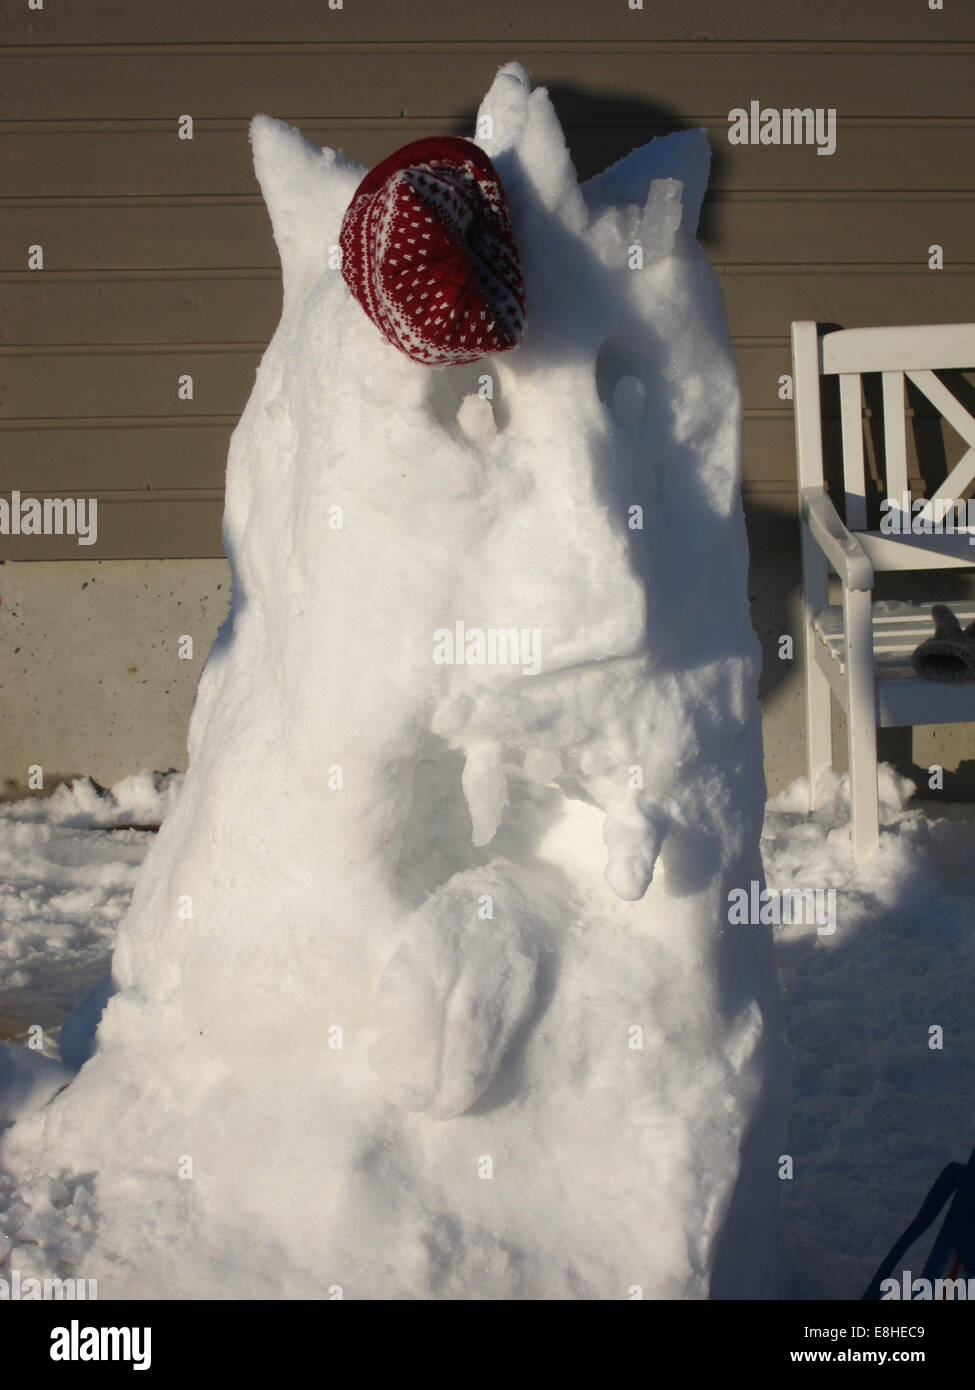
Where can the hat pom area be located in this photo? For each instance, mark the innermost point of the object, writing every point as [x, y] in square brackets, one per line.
[429, 252]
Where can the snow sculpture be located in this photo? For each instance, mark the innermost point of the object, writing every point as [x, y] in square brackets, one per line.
[428, 987]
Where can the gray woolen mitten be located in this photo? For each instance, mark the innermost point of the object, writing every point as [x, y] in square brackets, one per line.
[950, 654]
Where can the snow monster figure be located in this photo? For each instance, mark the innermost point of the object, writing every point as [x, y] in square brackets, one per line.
[428, 987]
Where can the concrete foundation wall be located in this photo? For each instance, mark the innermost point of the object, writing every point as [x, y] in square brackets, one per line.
[92, 682]
[91, 678]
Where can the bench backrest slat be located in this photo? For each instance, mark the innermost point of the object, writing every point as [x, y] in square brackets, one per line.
[895, 434]
[851, 419]
[943, 346]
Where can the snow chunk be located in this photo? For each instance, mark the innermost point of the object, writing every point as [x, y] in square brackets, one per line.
[684, 155]
[661, 219]
[633, 838]
[486, 790]
[144, 798]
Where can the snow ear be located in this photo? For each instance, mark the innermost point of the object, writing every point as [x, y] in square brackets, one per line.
[519, 130]
[685, 156]
[306, 190]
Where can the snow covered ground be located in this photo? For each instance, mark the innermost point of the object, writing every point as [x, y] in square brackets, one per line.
[877, 1111]
[68, 864]
[879, 1108]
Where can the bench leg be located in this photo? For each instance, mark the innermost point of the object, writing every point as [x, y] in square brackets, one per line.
[861, 723]
[819, 730]
[819, 724]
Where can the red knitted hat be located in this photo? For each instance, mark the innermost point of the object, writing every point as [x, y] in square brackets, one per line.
[429, 252]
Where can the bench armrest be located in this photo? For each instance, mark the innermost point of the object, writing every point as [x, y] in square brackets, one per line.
[840, 546]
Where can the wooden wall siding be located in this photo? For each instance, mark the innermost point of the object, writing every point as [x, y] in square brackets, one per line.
[158, 257]
[412, 21]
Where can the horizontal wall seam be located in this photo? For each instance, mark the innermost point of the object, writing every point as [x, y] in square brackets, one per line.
[87, 349]
[370, 47]
[183, 494]
[67, 423]
[107, 125]
[725, 269]
[197, 495]
[127, 349]
[720, 195]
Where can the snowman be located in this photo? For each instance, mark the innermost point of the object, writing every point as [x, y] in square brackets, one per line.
[428, 987]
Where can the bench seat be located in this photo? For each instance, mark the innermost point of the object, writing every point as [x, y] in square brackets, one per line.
[902, 696]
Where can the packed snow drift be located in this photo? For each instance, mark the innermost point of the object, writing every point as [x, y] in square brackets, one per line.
[452, 1008]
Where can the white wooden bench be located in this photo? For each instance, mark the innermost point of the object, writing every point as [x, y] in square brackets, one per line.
[860, 649]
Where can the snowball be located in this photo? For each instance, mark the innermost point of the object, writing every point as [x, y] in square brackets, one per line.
[453, 996]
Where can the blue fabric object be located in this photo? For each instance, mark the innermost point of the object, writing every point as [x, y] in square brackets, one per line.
[956, 1237]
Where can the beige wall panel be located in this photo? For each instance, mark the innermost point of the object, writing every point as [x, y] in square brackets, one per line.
[175, 454]
[96, 385]
[193, 454]
[186, 522]
[145, 158]
[50, 308]
[209, 234]
[91, 384]
[819, 230]
[886, 229]
[185, 457]
[85, 385]
[243, 307]
[133, 526]
[190, 21]
[763, 304]
[438, 81]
